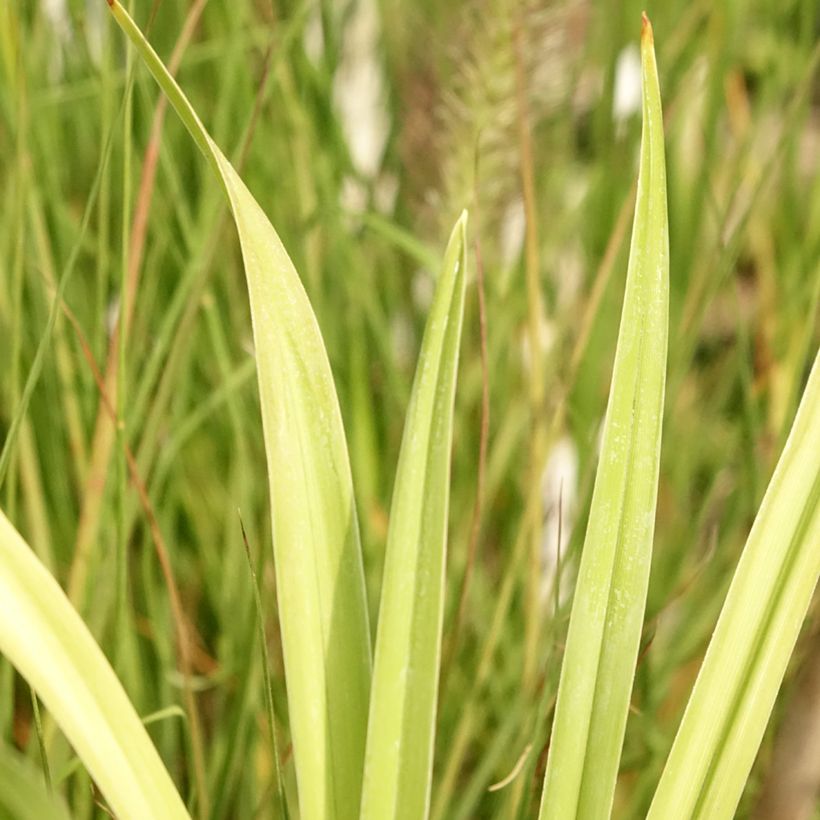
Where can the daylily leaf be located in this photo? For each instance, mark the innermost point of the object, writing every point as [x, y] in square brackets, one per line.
[319, 574]
[610, 596]
[399, 759]
[48, 643]
[767, 602]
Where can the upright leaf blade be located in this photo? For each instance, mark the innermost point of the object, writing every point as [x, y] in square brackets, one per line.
[319, 574]
[769, 596]
[46, 640]
[610, 597]
[400, 736]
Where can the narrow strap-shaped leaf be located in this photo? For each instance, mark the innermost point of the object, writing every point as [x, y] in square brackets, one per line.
[319, 574]
[607, 612]
[48, 643]
[744, 666]
[399, 757]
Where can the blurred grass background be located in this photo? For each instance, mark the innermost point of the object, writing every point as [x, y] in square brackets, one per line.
[363, 128]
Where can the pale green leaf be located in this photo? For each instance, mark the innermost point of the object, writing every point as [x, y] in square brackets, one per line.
[319, 574]
[48, 643]
[758, 627]
[607, 612]
[400, 736]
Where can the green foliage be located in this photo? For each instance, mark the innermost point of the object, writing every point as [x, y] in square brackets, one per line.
[319, 576]
[48, 643]
[755, 635]
[398, 764]
[610, 594]
[24, 794]
[361, 130]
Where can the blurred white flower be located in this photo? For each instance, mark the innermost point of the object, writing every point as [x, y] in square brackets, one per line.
[559, 493]
[569, 272]
[96, 30]
[626, 98]
[423, 288]
[353, 196]
[513, 227]
[547, 334]
[359, 90]
[314, 37]
[112, 315]
[56, 12]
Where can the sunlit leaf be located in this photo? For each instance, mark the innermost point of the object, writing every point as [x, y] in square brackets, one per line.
[767, 602]
[319, 574]
[46, 640]
[608, 608]
[399, 759]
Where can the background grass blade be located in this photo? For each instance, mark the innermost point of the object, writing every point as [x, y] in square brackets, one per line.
[770, 593]
[398, 765]
[319, 574]
[24, 794]
[608, 608]
[46, 640]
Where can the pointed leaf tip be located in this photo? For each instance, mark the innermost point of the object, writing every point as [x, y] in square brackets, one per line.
[604, 634]
[401, 727]
[647, 37]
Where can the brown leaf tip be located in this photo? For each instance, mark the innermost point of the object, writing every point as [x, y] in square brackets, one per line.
[646, 30]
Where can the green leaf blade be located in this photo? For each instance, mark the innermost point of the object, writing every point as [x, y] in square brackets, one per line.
[399, 755]
[319, 573]
[607, 613]
[48, 643]
[746, 660]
